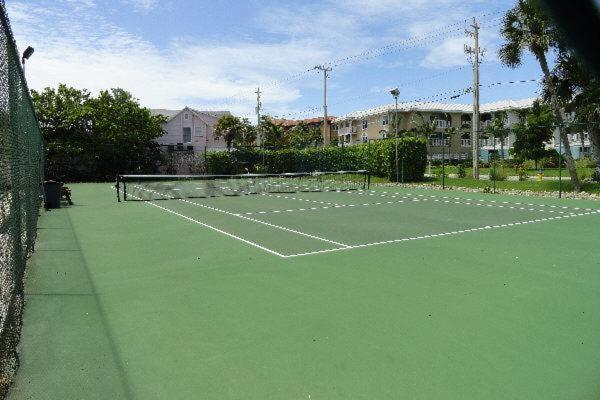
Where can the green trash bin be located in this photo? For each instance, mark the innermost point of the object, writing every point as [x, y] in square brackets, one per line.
[52, 191]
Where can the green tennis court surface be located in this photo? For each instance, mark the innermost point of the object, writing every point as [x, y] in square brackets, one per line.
[383, 294]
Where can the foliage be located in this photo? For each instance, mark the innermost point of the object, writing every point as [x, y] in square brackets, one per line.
[532, 135]
[497, 129]
[96, 138]
[522, 173]
[304, 135]
[462, 171]
[498, 173]
[236, 132]
[271, 135]
[378, 157]
[527, 27]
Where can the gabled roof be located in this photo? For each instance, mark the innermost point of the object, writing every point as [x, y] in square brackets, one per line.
[294, 122]
[170, 114]
[440, 107]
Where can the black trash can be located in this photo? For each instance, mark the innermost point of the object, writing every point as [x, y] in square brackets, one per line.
[52, 191]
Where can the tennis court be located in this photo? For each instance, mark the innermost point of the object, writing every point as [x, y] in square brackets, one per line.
[371, 293]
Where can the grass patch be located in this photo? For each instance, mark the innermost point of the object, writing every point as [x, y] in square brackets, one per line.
[544, 186]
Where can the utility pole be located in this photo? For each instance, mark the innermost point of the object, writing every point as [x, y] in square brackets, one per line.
[395, 93]
[475, 120]
[325, 76]
[258, 108]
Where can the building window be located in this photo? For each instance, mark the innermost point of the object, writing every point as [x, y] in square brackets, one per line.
[365, 138]
[199, 131]
[384, 120]
[365, 124]
[383, 134]
[186, 116]
[187, 135]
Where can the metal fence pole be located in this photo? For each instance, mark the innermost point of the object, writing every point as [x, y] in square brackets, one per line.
[559, 166]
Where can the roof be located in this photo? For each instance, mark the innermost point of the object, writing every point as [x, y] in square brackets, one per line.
[170, 114]
[441, 107]
[294, 122]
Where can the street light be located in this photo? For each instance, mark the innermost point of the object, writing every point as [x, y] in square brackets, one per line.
[395, 93]
[26, 54]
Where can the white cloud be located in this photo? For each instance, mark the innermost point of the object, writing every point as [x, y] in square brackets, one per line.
[142, 5]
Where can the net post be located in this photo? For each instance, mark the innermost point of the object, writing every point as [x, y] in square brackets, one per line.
[368, 178]
[118, 188]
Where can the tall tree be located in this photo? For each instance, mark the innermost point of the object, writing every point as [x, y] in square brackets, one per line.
[124, 133]
[94, 138]
[272, 135]
[532, 135]
[236, 132]
[526, 27]
[304, 135]
[497, 129]
[579, 88]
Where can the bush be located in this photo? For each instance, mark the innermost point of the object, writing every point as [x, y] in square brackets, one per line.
[462, 171]
[585, 162]
[596, 176]
[378, 157]
[522, 173]
[498, 174]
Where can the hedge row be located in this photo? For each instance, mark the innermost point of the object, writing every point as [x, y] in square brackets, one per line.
[377, 157]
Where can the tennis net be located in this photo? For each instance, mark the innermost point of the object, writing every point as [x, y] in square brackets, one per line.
[163, 187]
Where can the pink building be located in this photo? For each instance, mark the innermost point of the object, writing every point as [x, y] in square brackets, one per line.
[190, 130]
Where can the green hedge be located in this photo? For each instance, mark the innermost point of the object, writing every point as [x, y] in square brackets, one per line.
[377, 157]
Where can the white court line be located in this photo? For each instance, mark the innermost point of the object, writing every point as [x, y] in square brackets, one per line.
[429, 236]
[283, 228]
[408, 197]
[231, 235]
[390, 194]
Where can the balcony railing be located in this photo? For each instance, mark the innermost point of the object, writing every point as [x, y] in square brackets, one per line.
[442, 123]
[465, 142]
[439, 142]
[346, 130]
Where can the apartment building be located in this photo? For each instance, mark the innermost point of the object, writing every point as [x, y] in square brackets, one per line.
[190, 130]
[374, 123]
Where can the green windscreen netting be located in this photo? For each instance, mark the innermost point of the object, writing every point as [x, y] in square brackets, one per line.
[21, 155]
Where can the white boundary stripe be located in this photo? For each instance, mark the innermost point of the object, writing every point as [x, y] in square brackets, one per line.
[429, 236]
[409, 199]
[283, 228]
[395, 194]
[231, 235]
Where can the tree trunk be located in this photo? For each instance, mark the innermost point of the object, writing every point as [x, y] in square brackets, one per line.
[582, 138]
[502, 147]
[559, 119]
[594, 133]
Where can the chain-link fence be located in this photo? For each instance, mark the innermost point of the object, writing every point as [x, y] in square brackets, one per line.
[21, 155]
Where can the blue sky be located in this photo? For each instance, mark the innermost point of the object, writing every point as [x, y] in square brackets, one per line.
[213, 54]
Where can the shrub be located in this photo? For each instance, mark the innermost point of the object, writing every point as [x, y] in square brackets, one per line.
[462, 171]
[522, 173]
[378, 157]
[585, 162]
[596, 176]
[498, 174]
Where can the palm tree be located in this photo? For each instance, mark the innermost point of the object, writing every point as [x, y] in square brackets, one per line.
[527, 28]
[231, 128]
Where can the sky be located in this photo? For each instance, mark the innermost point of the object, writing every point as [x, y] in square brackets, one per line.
[212, 55]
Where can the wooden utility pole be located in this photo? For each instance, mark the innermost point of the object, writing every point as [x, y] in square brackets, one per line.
[474, 51]
[325, 122]
[258, 108]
